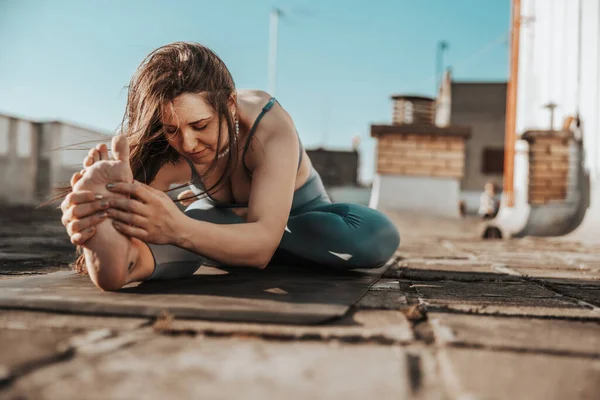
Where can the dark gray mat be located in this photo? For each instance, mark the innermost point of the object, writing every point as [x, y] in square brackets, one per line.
[277, 294]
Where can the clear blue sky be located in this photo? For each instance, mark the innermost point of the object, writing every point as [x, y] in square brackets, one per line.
[70, 59]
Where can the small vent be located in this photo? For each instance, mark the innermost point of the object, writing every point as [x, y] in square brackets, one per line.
[413, 110]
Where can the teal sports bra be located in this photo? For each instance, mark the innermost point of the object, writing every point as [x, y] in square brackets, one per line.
[196, 179]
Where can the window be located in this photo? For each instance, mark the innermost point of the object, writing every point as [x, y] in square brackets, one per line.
[492, 161]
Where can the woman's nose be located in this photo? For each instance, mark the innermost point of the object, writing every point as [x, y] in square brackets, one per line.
[189, 141]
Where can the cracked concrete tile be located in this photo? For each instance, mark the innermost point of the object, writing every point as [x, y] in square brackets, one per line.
[184, 367]
[383, 299]
[547, 309]
[577, 274]
[565, 337]
[33, 320]
[486, 374]
[423, 371]
[506, 298]
[588, 291]
[361, 326]
[458, 270]
[22, 351]
[483, 292]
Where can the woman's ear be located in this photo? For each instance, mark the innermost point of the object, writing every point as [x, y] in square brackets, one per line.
[232, 103]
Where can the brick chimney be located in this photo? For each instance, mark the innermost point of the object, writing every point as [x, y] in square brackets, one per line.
[549, 165]
[419, 165]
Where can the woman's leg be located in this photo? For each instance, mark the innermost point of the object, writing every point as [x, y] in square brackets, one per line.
[342, 236]
[172, 262]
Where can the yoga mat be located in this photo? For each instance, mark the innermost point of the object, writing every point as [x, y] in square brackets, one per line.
[276, 294]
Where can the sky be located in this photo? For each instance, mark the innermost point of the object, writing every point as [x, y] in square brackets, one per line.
[339, 61]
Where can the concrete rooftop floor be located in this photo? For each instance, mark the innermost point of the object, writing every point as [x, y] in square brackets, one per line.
[455, 317]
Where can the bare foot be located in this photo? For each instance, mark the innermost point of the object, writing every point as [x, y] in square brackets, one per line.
[109, 255]
[100, 173]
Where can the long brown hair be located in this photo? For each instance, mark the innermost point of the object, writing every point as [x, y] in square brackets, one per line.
[167, 72]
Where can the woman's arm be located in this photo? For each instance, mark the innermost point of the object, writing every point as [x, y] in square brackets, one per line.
[274, 166]
[253, 243]
[149, 215]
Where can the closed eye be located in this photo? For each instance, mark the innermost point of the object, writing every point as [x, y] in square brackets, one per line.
[170, 129]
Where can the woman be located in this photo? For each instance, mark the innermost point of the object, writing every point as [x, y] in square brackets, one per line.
[186, 123]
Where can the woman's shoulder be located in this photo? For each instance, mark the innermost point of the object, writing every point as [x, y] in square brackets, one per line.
[172, 172]
[253, 96]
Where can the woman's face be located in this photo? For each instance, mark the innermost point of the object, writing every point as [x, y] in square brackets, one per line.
[191, 126]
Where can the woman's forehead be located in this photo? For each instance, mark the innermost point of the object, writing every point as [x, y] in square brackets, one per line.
[186, 108]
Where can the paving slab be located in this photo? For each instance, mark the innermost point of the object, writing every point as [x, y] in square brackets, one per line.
[525, 293]
[35, 320]
[486, 374]
[574, 274]
[22, 351]
[547, 310]
[387, 326]
[522, 245]
[425, 381]
[383, 299]
[458, 270]
[588, 291]
[218, 368]
[575, 338]
[276, 294]
[505, 298]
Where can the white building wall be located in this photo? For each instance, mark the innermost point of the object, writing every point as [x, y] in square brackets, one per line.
[37, 158]
[74, 143]
[421, 194]
[551, 69]
[559, 62]
[4, 125]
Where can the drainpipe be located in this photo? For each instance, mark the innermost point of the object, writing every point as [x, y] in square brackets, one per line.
[511, 107]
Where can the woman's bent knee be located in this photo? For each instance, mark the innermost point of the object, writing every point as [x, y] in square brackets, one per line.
[382, 242]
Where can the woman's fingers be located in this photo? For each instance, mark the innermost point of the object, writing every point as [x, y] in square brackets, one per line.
[83, 210]
[137, 189]
[80, 225]
[81, 196]
[131, 231]
[128, 218]
[129, 205]
[80, 238]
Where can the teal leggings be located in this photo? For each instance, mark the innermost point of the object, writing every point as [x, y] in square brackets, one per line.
[320, 233]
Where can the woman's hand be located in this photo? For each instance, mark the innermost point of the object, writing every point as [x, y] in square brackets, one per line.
[150, 215]
[83, 210]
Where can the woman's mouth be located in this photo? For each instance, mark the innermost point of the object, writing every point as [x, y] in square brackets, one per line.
[198, 153]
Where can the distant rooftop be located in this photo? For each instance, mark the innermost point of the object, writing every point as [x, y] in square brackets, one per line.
[56, 121]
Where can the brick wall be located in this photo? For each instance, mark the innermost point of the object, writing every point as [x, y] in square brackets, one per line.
[548, 169]
[421, 155]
